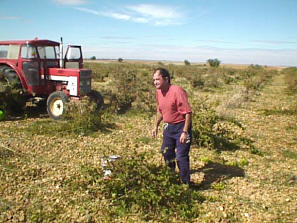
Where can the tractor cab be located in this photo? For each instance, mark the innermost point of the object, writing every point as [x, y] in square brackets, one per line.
[34, 60]
[38, 58]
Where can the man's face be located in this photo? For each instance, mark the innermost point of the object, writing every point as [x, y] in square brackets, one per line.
[159, 82]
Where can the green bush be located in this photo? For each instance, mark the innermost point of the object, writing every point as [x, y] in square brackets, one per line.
[83, 117]
[212, 80]
[291, 79]
[12, 99]
[187, 63]
[151, 191]
[213, 62]
[99, 71]
[130, 86]
[215, 132]
[145, 95]
[197, 81]
[160, 63]
[255, 78]
[125, 89]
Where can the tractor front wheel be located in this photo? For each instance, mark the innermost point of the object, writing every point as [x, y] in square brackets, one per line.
[57, 104]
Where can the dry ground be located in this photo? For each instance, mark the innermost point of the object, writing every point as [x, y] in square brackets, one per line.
[238, 186]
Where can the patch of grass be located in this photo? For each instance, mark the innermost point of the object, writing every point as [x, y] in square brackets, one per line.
[291, 79]
[82, 118]
[37, 213]
[212, 198]
[219, 186]
[241, 163]
[292, 127]
[5, 152]
[289, 154]
[5, 205]
[255, 151]
[7, 166]
[144, 139]
[128, 126]
[268, 112]
[205, 160]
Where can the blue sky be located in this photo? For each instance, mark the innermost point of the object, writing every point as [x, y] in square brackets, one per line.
[234, 31]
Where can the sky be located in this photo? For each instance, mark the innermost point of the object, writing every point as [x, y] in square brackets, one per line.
[260, 32]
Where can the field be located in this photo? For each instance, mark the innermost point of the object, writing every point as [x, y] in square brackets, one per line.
[243, 159]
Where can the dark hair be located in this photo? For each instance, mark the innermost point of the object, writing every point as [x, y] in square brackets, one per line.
[164, 73]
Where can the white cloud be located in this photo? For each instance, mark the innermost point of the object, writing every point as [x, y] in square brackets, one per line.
[119, 16]
[88, 10]
[140, 20]
[114, 15]
[143, 13]
[70, 2]
[274, 42]
[155, 14]
[155, 11]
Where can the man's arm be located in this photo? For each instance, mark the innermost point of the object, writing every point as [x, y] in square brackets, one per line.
[159, 118]
[183, 136]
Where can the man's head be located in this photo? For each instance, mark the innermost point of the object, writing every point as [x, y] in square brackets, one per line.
[161, 78]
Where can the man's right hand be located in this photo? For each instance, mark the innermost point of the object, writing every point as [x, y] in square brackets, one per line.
[155, 132]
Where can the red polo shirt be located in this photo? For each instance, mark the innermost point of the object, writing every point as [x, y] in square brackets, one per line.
[173, 105]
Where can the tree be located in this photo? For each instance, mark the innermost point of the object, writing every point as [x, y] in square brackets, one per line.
[213, 62]
[120, 59]
[93, 58]
[187, 62]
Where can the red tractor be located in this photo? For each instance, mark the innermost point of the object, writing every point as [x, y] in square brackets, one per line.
[41, 71]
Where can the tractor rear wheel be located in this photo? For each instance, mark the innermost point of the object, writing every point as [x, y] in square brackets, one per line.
[97, 98]
[12, 77]
[57, 104]
[11, 92]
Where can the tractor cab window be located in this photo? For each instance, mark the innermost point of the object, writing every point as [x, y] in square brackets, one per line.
[73, 53]
[47, 52]
[3, 51]
[9, 51]
[28, 52]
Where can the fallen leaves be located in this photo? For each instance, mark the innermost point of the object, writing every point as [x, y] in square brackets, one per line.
[40, 174]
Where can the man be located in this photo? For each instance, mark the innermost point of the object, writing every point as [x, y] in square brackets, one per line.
[174, 109]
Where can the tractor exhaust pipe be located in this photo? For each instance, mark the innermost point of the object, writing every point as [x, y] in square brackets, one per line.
[61, 53]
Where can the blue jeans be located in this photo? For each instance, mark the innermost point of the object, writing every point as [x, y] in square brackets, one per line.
[172, 149]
